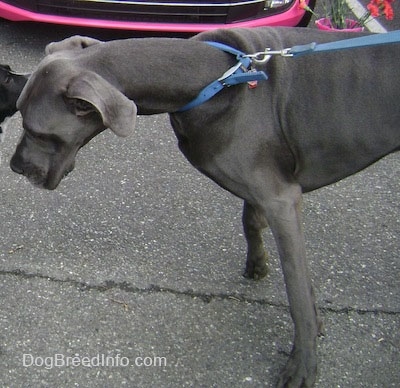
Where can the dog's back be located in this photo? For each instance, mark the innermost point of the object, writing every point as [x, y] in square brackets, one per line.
[328, 106]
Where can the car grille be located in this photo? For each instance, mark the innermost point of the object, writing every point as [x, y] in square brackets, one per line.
[159, 11]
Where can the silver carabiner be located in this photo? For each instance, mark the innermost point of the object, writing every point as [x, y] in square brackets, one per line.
[264, 56]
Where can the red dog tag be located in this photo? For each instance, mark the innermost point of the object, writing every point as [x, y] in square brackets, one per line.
[252, 84]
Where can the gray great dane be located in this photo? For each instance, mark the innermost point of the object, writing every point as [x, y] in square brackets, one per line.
[318, 119]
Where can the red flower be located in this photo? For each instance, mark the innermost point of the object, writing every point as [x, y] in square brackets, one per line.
[388, 10]
[373, 9]
[381, 7]
[303, 5]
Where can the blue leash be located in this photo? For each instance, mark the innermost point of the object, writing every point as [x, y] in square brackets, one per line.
[363, 41]
[243, 72]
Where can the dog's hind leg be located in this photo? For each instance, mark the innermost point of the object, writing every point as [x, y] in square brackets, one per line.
[253, 224]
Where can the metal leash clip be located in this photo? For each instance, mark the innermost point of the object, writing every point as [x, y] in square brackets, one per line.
[264, 56]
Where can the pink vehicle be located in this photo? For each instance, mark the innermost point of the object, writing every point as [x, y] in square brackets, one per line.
[190, 16]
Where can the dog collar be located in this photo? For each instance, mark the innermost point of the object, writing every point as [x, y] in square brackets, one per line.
[237, 74]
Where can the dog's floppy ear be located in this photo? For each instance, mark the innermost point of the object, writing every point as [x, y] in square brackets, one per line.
[71, 43]
[88, 92]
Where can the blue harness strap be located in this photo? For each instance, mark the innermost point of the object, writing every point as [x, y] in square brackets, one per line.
[237, 74]
[240, 73]
[363, 41]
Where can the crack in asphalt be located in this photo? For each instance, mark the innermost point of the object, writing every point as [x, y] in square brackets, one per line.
[205, 297]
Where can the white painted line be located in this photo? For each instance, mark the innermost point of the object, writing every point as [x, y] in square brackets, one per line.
[359, 10]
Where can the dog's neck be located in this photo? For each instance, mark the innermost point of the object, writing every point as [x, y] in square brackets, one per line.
[159, 75]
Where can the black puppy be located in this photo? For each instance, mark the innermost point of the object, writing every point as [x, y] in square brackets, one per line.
[11, 85]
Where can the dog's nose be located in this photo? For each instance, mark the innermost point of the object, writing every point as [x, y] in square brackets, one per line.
[15, 165]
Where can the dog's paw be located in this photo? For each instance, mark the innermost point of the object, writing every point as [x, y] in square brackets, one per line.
[300, 370]
[257, 270]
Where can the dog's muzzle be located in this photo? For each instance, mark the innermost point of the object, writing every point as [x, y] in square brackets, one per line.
[35, 175]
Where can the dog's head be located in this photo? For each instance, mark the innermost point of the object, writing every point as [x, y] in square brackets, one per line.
[63, 106]
[11, 85]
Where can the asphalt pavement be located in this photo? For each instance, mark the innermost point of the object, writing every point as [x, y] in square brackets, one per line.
[129, 274]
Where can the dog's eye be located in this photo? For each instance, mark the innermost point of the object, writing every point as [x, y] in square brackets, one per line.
[83, 106]
[46, 141]
[35, 136]
[78, 107]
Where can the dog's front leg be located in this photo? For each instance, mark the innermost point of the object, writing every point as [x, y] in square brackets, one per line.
[284, 217]
[253, 223]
